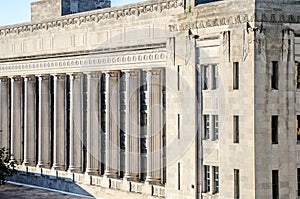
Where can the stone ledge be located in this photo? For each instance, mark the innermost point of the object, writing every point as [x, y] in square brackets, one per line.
[67, 181]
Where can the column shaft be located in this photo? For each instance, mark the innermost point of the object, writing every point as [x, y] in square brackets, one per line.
[29, 122]
[4, 113]
[16, 134]
[93, 124]
[154, 126]
[76, 136]
[112, 125]
[59, 138]
[132, 126]
[44, 123]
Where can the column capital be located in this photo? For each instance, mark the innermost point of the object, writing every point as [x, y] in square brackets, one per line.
[74, 75]
[43, 77]
[153, 71]
[112, 73]
[58, 76]
[92, 74]
[28, 77]
[15, 78]
[131, 72]
[3, 79]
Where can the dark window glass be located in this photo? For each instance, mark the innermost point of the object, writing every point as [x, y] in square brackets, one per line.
[275, 185]
[274, 129]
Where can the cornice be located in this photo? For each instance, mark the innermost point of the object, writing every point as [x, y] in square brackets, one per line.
[85, 63]
[93, 16]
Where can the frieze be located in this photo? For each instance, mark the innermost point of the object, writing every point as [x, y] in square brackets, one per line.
[93, 17]
[278, 17]
[235, 19]
[212, 22]
[147, 57]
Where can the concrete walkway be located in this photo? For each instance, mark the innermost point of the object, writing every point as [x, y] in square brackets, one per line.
[9, 191]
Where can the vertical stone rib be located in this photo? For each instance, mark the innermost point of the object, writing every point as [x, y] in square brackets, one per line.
[4, 113]
[93, 124]
[29, 121]
[112, 124]
[154, 126]
[59, 123]
[76, 143]
[16, 135]
[44, 123]
[132, 126]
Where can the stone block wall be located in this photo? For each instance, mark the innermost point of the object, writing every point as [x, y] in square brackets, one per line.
[45, 9]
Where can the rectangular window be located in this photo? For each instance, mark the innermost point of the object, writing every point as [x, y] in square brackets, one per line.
[178, 125]
[214, 77]
[206, 77]
[206, 126]
[236, 129]
[216, 127]
[274, 129]
[204, 1]
[216, 180]
[178, 175]
[207, 178]
[298, 128]
[236, 184]
[178, 78]
[298, 74]
[236, 75]
[298, 180]
[275, 184]
[274, 76]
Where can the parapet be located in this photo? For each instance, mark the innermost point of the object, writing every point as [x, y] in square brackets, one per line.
[47, 9]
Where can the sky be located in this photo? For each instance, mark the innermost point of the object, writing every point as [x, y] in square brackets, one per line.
[18, 11]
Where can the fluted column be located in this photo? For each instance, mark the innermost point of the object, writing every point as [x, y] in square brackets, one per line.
[132, 126]
[93, 124]
[154, 126]
[16, 135]
[4, 113]
[59, 137]
[29, 122]
[112, 125]
[44, 123]
[76, 135]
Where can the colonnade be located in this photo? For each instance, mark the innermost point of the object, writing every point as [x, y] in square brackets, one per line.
[56, 121]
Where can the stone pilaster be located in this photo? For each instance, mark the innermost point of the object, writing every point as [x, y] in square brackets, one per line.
[4, 113]
[59, 137]
[44, 123]
[29, 122]
[16, 135]
[154, 126]
[132, 126]
[76, 142]
[112, 125]
[93, 124]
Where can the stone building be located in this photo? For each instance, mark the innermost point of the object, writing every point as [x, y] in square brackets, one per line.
[163, 98]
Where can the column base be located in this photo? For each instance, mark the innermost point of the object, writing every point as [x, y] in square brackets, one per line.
[58, 167]
[152, 181]
[91, 171]
[29, 163]
[110, 174]
[74, 169]
[130, 177]
[43, 165]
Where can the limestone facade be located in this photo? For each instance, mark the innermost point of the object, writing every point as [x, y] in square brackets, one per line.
[163, 98]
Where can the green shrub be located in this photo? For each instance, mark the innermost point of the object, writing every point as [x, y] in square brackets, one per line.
[7, 166]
